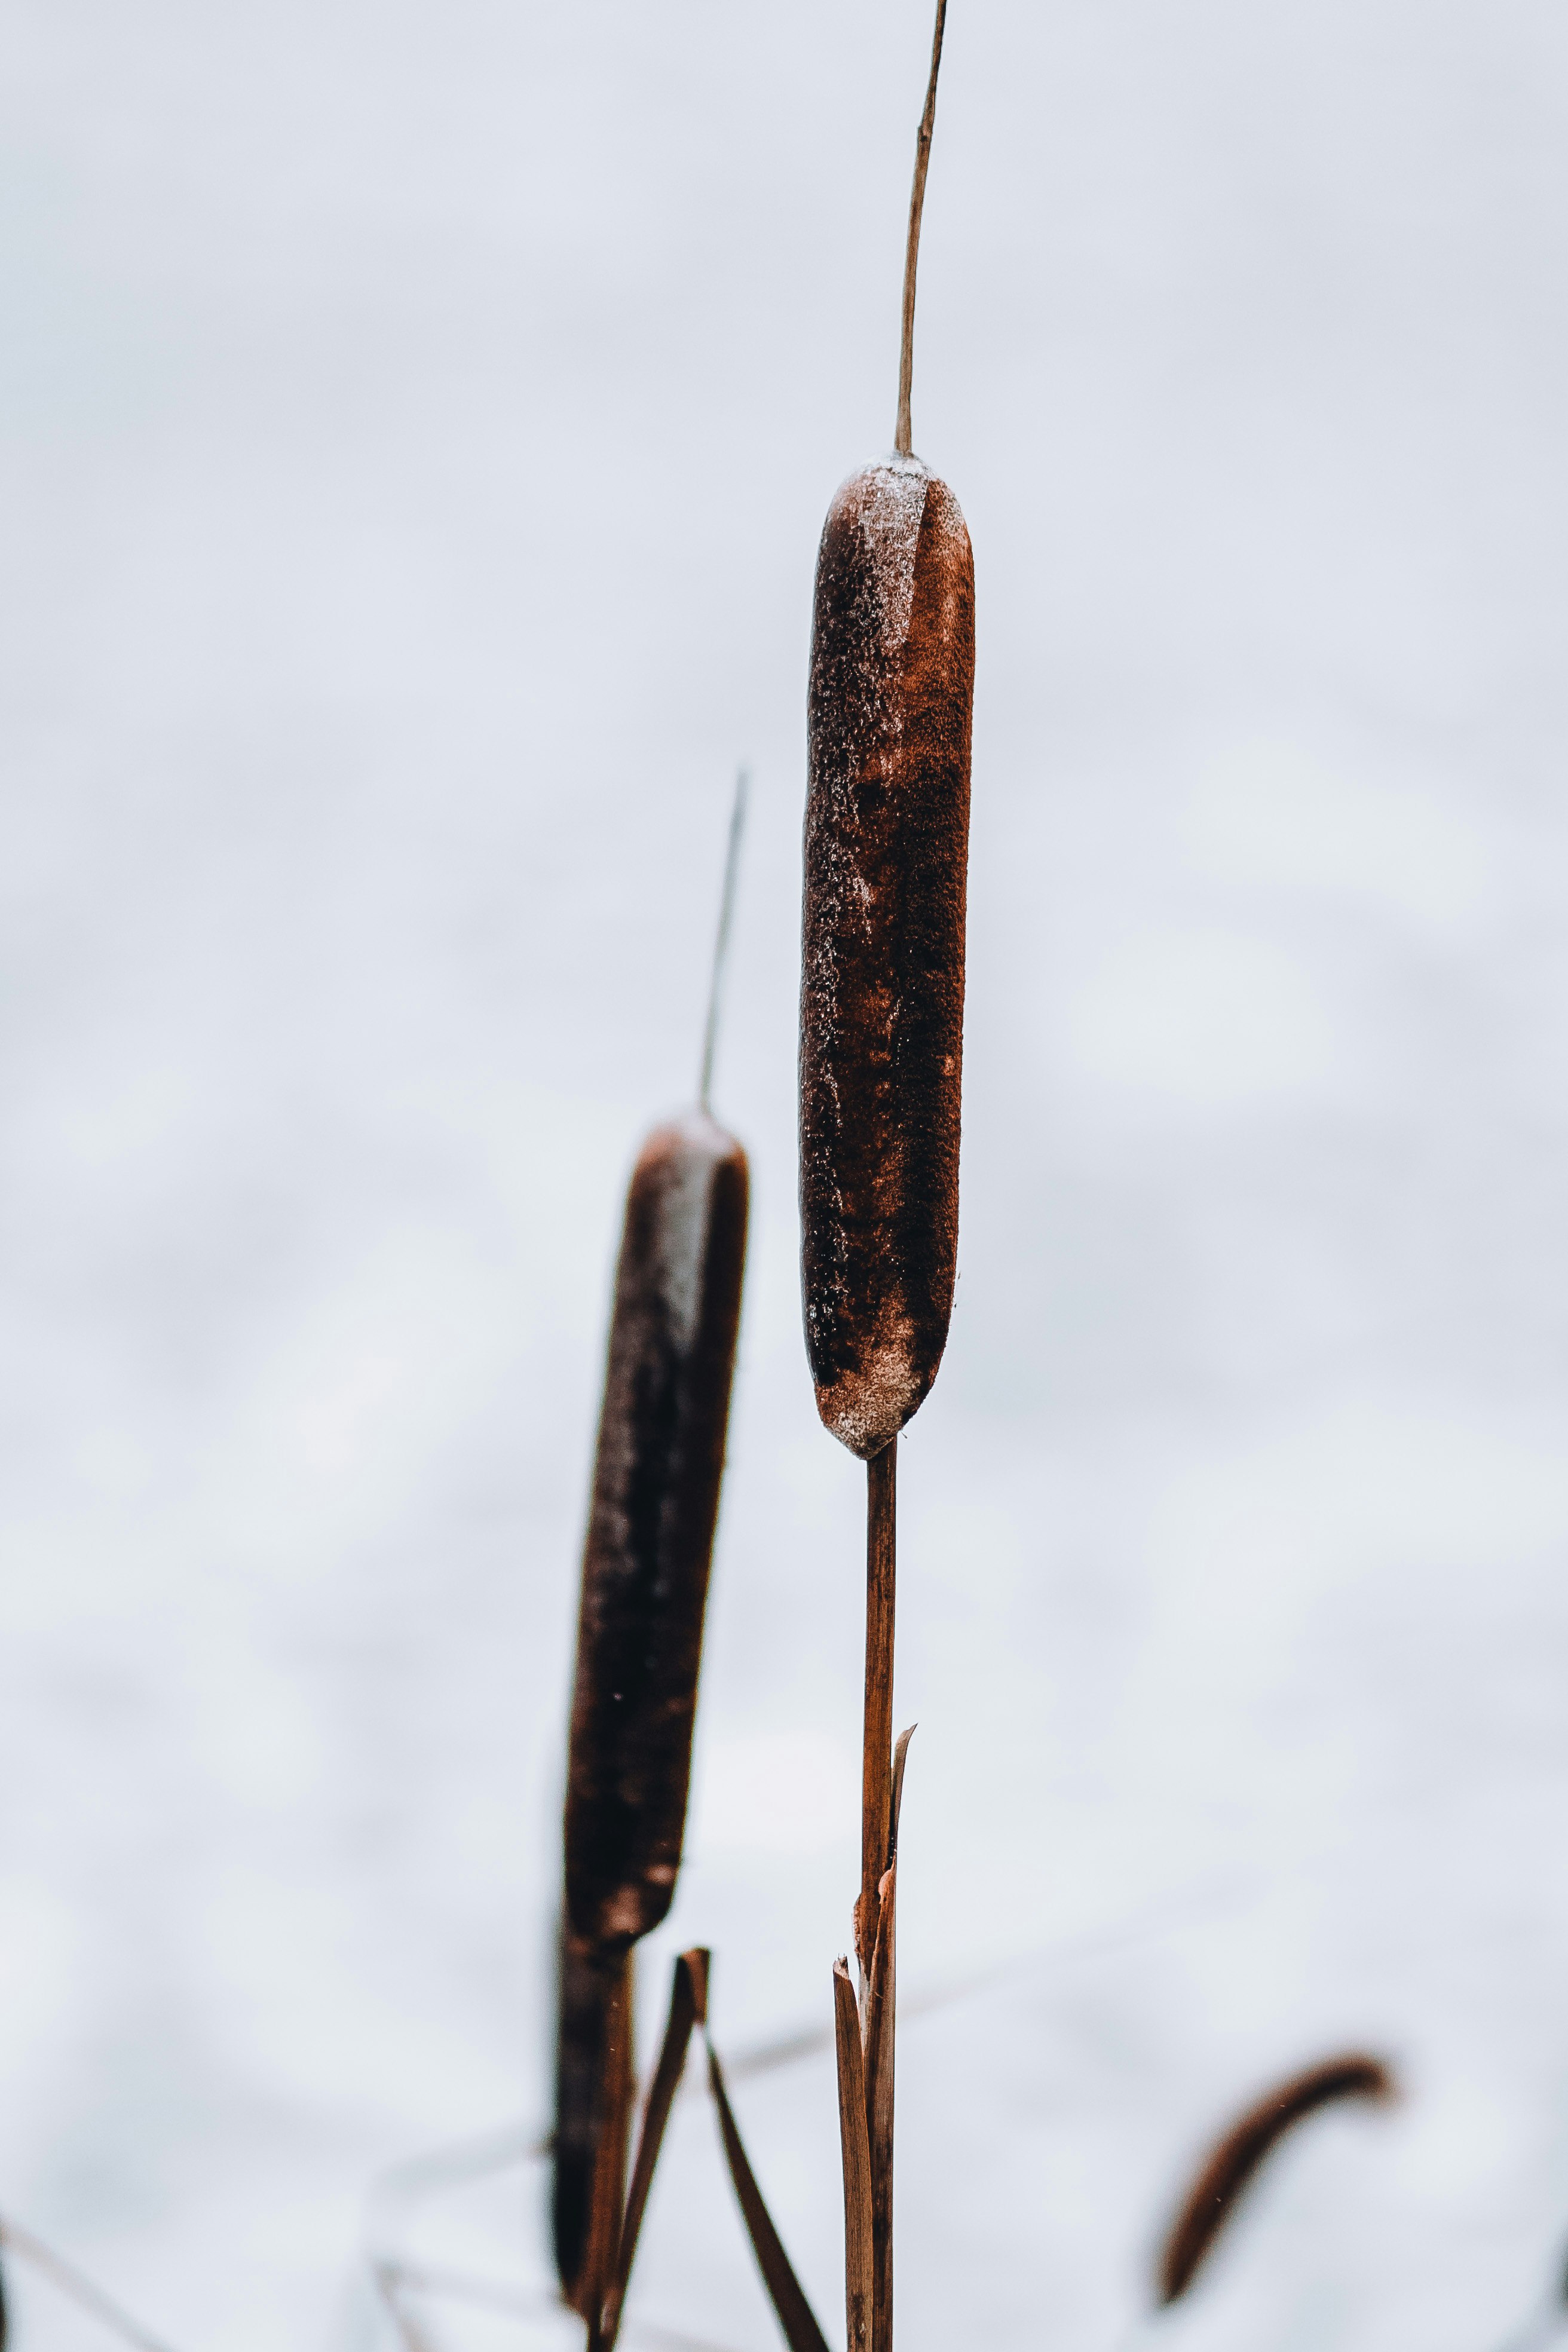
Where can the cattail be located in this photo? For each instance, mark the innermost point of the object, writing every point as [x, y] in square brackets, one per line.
[881, 1061]
[645, 1561]
[645, 1585]
[1235, 2159]
[881, 1039]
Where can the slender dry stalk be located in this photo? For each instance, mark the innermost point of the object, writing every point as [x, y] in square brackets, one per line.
[1236, 2156]
[902, 440]
[606, 2197]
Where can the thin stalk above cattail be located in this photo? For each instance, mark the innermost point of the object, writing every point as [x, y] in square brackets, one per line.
[882, 1051]
[645, 1564]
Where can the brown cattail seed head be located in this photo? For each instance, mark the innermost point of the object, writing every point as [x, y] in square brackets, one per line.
[650, 1529]
[887, 847]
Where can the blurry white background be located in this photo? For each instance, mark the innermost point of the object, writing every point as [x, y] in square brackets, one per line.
[417, 422]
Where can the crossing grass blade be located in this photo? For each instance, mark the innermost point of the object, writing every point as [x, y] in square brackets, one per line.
[786, 2292]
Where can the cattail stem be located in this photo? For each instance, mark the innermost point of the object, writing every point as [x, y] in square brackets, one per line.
[902, 439]
[877, 1745]
[609, 2191]
[874, 1911]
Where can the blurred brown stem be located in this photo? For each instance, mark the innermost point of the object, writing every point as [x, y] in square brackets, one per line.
[609, 2191]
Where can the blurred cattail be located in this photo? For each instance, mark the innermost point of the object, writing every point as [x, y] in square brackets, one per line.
[645, 1585]
[1233, 2159]
[650, 1547]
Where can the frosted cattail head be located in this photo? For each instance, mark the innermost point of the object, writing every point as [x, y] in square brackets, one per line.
[887, 842]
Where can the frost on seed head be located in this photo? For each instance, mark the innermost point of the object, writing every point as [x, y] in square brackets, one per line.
[888, 502]
[866, 1408]
[688, 1151]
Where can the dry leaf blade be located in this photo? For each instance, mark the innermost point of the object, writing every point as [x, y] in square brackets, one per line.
[1237, 2156]
[854, 2133]
[786, 2292]
[687, 2002]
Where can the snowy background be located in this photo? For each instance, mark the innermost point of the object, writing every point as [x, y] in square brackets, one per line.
[417, 422]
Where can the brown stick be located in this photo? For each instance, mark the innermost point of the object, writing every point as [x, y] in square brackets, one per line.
[877, 1745]
[609, 2191]
[902, 441]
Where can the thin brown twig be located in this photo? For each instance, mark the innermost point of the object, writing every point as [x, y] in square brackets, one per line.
[609, 2189]
[902, 439]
